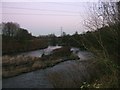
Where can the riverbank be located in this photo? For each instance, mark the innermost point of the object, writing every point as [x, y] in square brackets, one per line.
[16, 65]
[14, 46]
[68, 74]
[61, 69]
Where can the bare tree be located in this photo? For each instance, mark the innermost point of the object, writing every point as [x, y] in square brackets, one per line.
[10, 29]
[103, 14]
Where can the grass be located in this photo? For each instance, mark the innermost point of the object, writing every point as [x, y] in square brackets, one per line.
[98, 72]
[95, 73]
[106, 74]
[15, 65]
[71, 76]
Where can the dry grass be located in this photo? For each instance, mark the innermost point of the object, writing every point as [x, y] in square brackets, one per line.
[95, 73]
[70, 77]
[15, 65]
[105, 74]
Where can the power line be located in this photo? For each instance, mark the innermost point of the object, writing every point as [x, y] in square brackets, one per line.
[66, 3]
[41, 9]
[42, 14]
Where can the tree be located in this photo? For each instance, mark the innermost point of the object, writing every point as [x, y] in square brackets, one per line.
[104, 16]
[10, 29]
[63, 34]
[118, 11]
[52, 39]
[76, 33]
[23, 34]
[13, 30]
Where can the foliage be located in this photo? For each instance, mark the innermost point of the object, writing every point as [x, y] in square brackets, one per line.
[104, 42]
[16, 39]
[14, 46]
[64, 51]
[13, 30]
[106, 74]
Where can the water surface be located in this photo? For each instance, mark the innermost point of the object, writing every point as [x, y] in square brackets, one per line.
[39, 53]
[40, 79]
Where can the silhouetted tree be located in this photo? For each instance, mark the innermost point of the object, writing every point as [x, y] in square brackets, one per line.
[10, 29]
[23, 34]
[52, 39]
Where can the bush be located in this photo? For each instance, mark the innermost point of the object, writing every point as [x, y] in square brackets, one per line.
[64, 51]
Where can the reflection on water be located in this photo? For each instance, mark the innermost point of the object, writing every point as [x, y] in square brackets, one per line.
[38, 53]
[83, 55]
[48, 50]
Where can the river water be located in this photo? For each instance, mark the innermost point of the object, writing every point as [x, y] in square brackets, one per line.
[38, 53]
[42, 78]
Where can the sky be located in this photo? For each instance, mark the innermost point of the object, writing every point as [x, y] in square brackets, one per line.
[42, 18]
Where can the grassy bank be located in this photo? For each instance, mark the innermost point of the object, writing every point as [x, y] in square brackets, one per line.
[106, 74]
[16, 65]
[14, 46]
[94, 73]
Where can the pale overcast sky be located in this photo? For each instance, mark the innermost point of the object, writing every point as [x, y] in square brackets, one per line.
[42, 18]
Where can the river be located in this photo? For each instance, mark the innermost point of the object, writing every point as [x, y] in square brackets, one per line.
[43, 78]
[38, 53]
